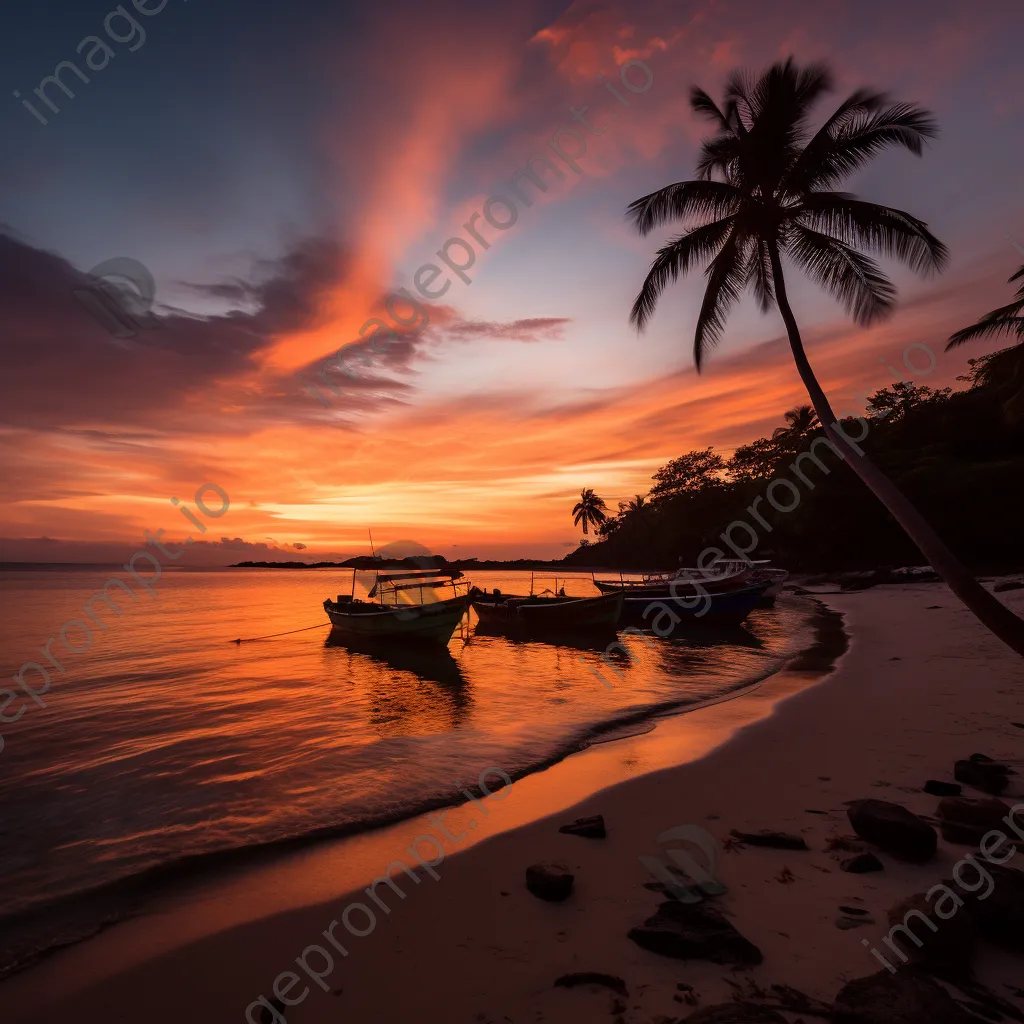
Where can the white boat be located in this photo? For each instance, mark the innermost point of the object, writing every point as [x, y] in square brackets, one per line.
[430, 618]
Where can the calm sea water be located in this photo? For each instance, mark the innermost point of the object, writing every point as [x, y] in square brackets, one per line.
[167, 740]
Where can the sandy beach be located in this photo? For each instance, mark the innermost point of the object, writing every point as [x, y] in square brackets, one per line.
[921, 686]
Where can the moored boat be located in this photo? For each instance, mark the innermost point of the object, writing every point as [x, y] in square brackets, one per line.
[721, 576]
[724, 608]
[553, 613]
[430, 621]
[758, 571]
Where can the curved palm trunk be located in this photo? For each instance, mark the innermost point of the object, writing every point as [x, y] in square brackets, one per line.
[992, 612]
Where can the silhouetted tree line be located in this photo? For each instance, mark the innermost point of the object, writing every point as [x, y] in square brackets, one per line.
[959, 456]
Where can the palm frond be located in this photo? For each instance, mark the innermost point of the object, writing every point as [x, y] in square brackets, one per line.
[675, 258]
[726, 276]
[681, 200]
[706, 107]
[877, 228]
[860, 139]
[718, 154]
[1006, 320]
[853, 278]
[759, 275]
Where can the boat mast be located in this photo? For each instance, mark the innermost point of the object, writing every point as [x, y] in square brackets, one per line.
[376, 582]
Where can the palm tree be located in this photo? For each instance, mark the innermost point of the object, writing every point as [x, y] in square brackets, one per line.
[590, 510]
[766, 189]
[802, 420]
[1009, 364]
[638, 503]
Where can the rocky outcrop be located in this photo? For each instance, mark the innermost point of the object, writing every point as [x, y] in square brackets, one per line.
[591, 827]
[695, 931]
[773, 840]
[1000, 916]
[551, 882]
[894, 829]
[937, 788]
[611, 981]
[906, 997]
[861, 864]
[965, 820]
[983, 773]
[925, 937]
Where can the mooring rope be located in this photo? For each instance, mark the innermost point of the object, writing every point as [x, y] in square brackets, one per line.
[251, 639]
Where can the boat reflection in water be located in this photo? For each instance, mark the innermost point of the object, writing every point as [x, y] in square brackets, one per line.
[587, 640]
[407, 688]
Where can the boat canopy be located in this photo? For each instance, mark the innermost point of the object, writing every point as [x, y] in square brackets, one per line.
[418, 574]
[419, 586]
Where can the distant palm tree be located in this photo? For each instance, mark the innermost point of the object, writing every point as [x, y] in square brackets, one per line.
[590, 510]
[802, 420]
[774, 196]
[1009, 364]
[638, 503]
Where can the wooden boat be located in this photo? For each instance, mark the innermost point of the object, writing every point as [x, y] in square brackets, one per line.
[547, 614]
[721, 576]
[758, 571]
[725, 608]
[429, 621]
[681, 583]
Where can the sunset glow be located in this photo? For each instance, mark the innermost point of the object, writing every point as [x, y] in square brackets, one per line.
[473, 435]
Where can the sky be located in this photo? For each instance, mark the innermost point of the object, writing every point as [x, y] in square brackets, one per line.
[284, 171]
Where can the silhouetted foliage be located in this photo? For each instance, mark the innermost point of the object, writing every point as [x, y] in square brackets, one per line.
[694, 471]
[952, 451]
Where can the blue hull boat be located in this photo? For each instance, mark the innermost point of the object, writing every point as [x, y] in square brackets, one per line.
[729, 608]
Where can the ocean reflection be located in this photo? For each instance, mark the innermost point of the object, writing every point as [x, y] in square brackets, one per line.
[575, 641]
[169, 741]
[407, 690]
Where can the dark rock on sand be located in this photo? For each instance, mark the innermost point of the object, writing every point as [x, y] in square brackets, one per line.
[864, 580]
[988, 776]
[774, 840]
[1000, 588]
[861, 864]
[592, 978]
[964, 819]
[895, 829]
[937, 788]
[952, 943]
[591, 827]
[1000, 917]
[552, 882]
[694, 931]
[736, 1013]
[907, 997]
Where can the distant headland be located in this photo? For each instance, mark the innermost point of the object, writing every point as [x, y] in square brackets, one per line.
[418, 562]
